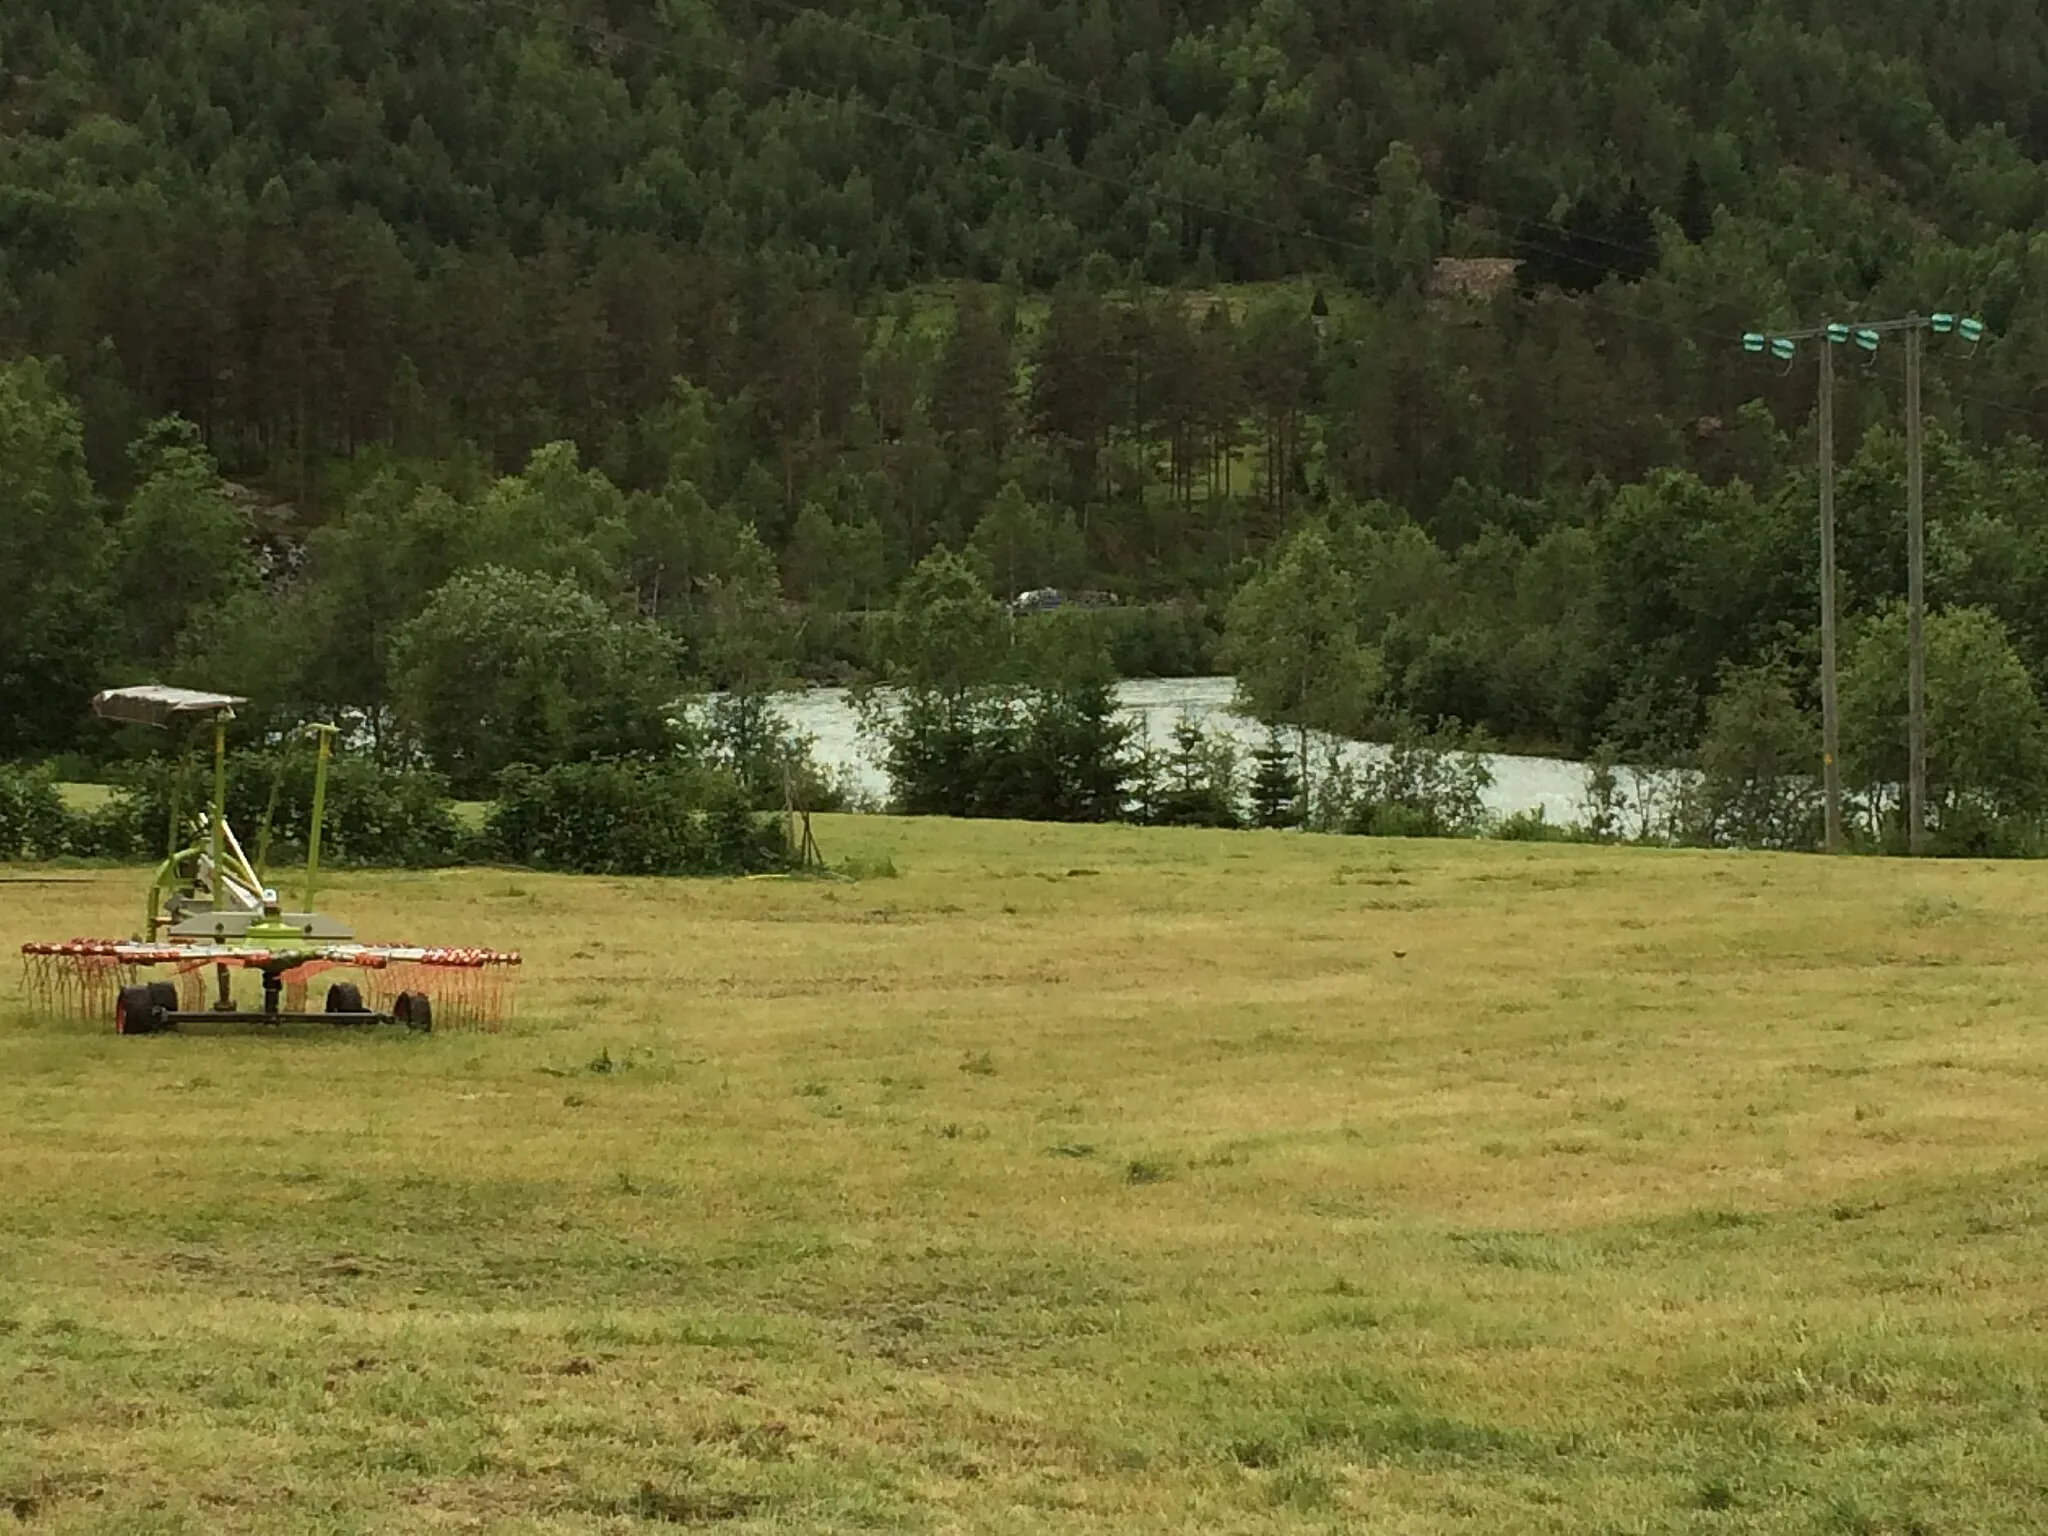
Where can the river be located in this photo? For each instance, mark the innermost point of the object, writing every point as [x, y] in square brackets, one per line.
[1552, 785]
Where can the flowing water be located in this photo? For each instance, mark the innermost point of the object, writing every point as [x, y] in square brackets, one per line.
[1554, 786]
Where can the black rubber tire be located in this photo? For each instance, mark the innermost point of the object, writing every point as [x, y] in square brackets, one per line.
[345, 997]
[135, 1012]
[415, 1010]
[165, 995]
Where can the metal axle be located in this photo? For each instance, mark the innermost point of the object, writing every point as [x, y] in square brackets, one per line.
[269, 1016]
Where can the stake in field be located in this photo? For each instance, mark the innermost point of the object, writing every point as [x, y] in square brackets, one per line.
[1075, 1180]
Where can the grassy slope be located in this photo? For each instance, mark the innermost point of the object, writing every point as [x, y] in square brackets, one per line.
[1079, 1179]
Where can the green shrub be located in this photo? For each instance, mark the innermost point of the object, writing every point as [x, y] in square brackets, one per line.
[1533, 826]
[749, 738]
[632, 818]
[1392, 819]
[1049, 753]
[114, 830]
[477, 844]
[1275, 787]
[1428, 784]
[34, 823]
[1196, 782]
[1756, 787]
[1178, 639]
[76, 767]
[1969, 828]
[839, 648]
[375, 815]
[933, 748]
[394, 817]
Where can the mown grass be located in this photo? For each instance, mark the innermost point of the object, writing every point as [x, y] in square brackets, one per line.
[85, 797]
[1070, 1179]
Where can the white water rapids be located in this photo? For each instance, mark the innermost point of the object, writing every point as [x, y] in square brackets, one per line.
[1555, 786]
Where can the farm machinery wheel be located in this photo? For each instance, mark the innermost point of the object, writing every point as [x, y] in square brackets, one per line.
[345, 997]
[137, 1011]
[415, 1011]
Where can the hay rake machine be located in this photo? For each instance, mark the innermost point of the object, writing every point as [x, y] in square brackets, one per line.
[210, 915]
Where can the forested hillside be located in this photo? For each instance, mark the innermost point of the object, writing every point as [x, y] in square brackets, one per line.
[698, 305]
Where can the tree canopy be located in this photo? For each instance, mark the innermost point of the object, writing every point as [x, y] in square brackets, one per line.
[729, 314]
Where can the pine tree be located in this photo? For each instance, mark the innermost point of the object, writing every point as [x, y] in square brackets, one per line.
[976, 376]
[1027, 546]
[1695, 212]
[1407, 225]
[1199, 786]
[1630, 251]
[1078, 385]
[1276, 783]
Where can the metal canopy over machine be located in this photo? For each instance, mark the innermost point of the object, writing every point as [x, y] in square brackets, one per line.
[154, 704]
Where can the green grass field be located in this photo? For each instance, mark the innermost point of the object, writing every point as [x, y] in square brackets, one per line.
[85, 797]
[1074, 1180]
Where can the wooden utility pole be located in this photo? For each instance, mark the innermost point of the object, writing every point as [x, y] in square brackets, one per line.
[1830, 708]
[1916, 604]
[1783, 346]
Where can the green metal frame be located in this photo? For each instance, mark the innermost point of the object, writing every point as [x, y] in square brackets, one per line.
[216, 823]
[216, 846]
[173, 854]
[165, 873]
[326, 733]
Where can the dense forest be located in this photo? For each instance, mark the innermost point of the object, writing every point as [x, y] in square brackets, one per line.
[387, 354]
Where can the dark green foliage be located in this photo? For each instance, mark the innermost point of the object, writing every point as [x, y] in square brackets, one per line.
[1177, 639]
[52, 555]
[1598, 239]
[719, 322]
[1194, 783]
[376, 815]
[1056, 752]
[1759, 766]
[998, 717]
[442, 233]
[1293, 638]
[932, 746]
[744, 735]
[947, 634]
[1275, 790]
[117, 829]
[180, 551]
[606, 816]
[1068, 759]
[1987, 734]
[1425, 783]
[632, 818]
[503, 667]
[33, 821]
[1535, 826]
[1695, 210]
